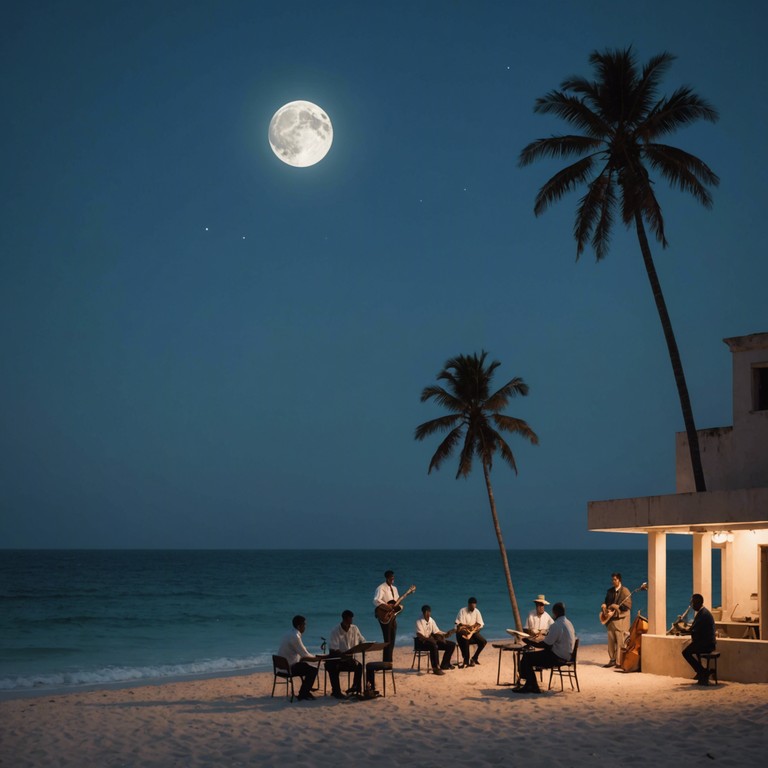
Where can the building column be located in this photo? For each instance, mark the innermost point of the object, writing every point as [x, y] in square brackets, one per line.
[657, 582]
[702, 566]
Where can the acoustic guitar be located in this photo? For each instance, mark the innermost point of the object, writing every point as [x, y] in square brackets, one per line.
[465, 631]
[612, 611]
[385, 613]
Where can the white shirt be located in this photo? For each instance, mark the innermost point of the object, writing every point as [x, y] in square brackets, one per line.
[561, 638]
[427, 628]
[292, 648]
[385, 593]
[465, 616]
[538, 623]
[343, 641]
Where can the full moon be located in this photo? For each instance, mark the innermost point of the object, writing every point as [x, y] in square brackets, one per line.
[300, 133]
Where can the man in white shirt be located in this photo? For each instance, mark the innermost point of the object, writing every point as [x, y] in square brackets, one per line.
[431, 639]
[557, 649]
[387, 594]
[343, 637]
[469, 622]
[293, 651]
[539, 621]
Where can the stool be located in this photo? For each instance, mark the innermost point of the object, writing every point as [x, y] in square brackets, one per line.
[418, 651]
[709, 662]
[383, 667]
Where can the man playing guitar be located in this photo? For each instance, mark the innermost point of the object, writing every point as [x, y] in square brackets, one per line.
[615, 613]
[469, 622]
[431, 639]
[387, 595]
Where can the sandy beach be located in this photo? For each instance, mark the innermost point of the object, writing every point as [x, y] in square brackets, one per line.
[462, 717]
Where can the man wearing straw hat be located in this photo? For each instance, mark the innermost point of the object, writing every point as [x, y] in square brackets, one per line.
[539, 621]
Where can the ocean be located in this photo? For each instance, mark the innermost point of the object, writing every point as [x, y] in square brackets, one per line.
[73, 618]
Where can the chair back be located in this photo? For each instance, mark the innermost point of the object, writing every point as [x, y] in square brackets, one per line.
[280, 664]
[575, 650]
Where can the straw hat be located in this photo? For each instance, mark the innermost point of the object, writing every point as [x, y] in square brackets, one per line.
[541, 599]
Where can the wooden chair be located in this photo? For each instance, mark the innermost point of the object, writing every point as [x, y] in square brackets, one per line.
[568, 669]
[383, 667]
[282, 671]
[419, 650]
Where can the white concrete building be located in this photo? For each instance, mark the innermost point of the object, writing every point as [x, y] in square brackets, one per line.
[732, 516]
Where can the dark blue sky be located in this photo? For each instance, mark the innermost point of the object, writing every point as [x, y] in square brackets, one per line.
[204, 347]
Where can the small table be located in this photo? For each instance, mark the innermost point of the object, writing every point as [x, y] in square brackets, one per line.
[517, 649]
[750, 629]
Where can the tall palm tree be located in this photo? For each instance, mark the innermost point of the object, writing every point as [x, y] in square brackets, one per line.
[475, 417]
[621, 118]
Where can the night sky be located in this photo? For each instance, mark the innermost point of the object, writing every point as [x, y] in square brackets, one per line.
[204, 347]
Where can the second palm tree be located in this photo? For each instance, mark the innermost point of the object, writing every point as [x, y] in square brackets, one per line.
[475, 421]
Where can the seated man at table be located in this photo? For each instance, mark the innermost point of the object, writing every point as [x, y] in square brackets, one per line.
[557, 647]
[430, 638]
[469, 622]
[343, 637]
[292, 649]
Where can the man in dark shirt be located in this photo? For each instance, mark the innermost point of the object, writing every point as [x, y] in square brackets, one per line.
[702, 633]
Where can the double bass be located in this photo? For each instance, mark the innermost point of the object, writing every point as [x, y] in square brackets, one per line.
[630, 653]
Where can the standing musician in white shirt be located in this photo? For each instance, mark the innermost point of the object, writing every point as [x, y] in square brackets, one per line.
[293, 651]
[431, 639]
[469, 622]
[539, 621]
[387, 594]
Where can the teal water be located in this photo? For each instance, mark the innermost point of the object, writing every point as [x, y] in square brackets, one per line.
[72, 618]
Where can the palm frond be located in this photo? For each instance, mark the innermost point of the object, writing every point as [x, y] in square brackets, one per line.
[670, 114]
[445, 449]
[588, 211]
[466, 456]
[573, 110]
[558, 147]
[601, 237]
[500, 398]
[617, 77]
[653, 71]
[515, 426]
[441, 397]
[440, 424]
[562, 183]
[506, 453]
[683, 170]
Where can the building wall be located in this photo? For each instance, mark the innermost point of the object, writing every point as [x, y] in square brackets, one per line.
[737, 456]
[741, 661]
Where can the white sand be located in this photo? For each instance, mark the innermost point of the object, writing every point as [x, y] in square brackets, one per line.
[461, 718]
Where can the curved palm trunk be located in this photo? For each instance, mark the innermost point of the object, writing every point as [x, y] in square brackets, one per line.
[502, 549]
[674, 356]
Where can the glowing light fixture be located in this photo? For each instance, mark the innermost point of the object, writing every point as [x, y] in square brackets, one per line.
[720, 537]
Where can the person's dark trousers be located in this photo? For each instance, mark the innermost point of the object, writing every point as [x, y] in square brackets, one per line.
[476, 639]
[431, 646]
[688, 655]
[344, 664]
[389, 632]
[530, 659]
[308, 676]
